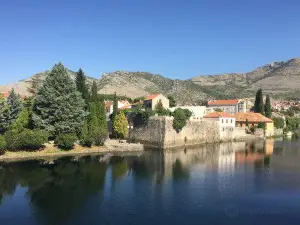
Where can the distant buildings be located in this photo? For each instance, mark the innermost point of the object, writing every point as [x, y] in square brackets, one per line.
[231, 106]
[226, 121]
[253, 119]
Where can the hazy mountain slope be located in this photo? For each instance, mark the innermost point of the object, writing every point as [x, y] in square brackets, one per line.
[280, 79]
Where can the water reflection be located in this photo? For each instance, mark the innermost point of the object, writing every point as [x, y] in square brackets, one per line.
[63, 190]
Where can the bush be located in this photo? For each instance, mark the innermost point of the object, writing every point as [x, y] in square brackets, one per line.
[278, 122]
[2, 145]
[261, 125]
[25, 140]
[180, 119]
[66, 141]
[164, 112]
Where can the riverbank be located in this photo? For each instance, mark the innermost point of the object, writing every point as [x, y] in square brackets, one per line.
[50, 151]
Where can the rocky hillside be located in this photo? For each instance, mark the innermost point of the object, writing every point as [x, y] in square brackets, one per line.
[280, 79]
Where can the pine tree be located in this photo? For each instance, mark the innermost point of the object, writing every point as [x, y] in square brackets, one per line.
[58, 107]
[101, 115]
[120, 125]
[259, 102]
[81, 85]
[35, 85]
[3, 114]
[268, 110]
[21, 122]
[14, 105]
[115, 107]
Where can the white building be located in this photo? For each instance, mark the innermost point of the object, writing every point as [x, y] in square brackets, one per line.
[231, 106]
[198, 112]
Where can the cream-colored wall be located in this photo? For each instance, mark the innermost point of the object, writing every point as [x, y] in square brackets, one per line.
[198, 112]
[164, 100]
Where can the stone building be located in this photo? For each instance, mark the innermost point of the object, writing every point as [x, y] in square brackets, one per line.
[231, 106]
[151, 101]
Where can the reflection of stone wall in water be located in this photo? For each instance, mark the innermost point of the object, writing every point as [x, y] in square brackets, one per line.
[159, 133]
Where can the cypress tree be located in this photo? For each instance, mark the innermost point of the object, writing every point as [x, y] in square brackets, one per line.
[115, 107]
[81, 85]
[58, 107]
[259, 102]
[159, 106]
[94, 95]
[97, 132]
[101, 115]
[268, 110]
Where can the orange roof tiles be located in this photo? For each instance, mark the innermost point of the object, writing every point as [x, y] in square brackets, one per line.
[224, 102]
[152, 97]
[126, 107]
[218, 115]
[251, 117]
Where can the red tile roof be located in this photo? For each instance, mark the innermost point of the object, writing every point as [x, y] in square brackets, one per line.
[126, 107]
[223, 102]
[152, 97]
[251, 117]
[108, 104]
[218, 115]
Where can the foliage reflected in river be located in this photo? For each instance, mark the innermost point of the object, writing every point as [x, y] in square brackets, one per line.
[231, 179]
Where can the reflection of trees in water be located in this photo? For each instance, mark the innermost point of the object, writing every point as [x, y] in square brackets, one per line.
[119, 167]
[55, 191]
[179, 171]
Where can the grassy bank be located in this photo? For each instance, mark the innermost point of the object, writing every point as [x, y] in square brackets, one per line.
[52, 151]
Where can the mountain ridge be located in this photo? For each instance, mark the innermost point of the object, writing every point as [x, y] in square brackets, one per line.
[279, 79]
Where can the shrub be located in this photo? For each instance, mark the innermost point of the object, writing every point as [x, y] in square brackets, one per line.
[25, 140]
[164, 112]
[278, 122]
[261, 125]
[65, 141]
[179, 119]
[2, 145]
[120, 125]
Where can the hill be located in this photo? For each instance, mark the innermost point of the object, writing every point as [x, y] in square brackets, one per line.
[279, 79]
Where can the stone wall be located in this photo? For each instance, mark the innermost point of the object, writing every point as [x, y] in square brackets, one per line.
[159, 133]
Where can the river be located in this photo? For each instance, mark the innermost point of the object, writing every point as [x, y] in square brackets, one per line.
[237, 183]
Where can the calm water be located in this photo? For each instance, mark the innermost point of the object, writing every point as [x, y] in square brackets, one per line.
[239, 183]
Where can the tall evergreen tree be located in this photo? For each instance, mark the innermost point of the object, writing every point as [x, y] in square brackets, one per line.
[172, 101]
[101, 115]
[97, 132]
[94, 95]
[268, 109]
[115, 107]
[81, 85]
[259, 102]
[35, 84]
[58, 107]
[3, 114]
[14, 107]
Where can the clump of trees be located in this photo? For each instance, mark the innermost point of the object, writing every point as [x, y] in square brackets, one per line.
[59, 109]
[260, 107]
[181, 116]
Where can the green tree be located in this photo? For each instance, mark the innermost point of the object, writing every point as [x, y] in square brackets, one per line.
[101, 116]
[120, 125]
[58, 107]
[85, 137]
[21, 122]
[3, 114]
[159, 106]
[81, 85]
[259, 102]
[278, 122]
[35, 84]
[268, 110]
[94, 95]
[247, 123]
[172, 101]
[97, 132]
[11, 110]
[180, 119]
[115, 107]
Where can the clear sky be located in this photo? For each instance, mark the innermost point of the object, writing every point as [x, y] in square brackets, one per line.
[175, 38]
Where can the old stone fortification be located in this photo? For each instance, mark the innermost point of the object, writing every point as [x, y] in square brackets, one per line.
[159, 133]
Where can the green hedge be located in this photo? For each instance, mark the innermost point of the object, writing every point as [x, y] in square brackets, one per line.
[66, 141]
[25, 140]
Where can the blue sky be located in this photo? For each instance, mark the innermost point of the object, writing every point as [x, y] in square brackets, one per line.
[175, 38]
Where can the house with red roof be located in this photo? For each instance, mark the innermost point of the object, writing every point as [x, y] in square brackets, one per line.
[151, 101]
[230, 106]
[226, 120]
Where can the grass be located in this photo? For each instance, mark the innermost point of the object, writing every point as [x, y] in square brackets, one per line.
[51, 150]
